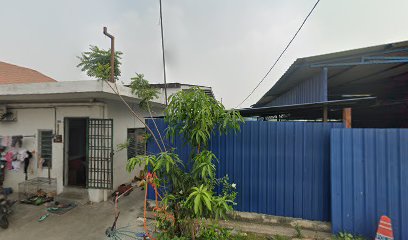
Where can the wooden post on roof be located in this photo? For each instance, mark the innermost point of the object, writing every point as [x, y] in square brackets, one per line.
[347, 117]
[325, 113]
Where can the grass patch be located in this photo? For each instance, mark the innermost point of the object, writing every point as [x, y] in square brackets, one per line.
[280, 237]
[298, 232]
[251, 236]
[347, 236]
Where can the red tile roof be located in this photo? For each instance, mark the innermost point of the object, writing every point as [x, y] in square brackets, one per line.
[10, 74]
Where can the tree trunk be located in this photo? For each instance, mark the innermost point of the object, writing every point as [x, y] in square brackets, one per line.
[193, 230]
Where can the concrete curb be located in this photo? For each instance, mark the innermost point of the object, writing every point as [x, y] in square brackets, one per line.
[282, 221]
[272, 220]
[273, 230]
[269, 225]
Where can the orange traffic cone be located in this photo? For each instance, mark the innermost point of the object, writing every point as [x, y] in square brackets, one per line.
[384, 231]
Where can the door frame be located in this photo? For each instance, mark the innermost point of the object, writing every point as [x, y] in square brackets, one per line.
[66, 148]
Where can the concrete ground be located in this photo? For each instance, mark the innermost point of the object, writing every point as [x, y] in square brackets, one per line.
[86, 221]
[89, 221]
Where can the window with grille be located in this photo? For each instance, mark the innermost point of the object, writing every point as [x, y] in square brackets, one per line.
[137, 144]
[45, 147]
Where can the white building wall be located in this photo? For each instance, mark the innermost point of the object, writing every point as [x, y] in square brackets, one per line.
[29, 121]
[170, 91]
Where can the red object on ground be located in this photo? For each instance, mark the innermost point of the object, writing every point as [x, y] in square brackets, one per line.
[384, 231]
[125, 189]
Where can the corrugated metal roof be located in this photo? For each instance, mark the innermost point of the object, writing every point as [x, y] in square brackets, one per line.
[313, 89]
[359, 63]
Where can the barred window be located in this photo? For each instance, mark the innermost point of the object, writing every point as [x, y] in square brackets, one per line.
[45, 147]
[137, 144]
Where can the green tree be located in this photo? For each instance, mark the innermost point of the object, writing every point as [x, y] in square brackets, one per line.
[146, 93]
[196, 115]
[143, 90]
[96, 63]
[190, 190]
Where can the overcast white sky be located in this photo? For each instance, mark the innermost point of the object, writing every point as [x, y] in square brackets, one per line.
[225, 44]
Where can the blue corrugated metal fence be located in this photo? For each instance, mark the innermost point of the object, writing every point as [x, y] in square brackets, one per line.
[280, 168]
[369, 178]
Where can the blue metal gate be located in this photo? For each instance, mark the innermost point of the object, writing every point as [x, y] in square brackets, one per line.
[369, 178]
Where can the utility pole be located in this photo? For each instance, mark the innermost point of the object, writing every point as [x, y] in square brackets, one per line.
[164, 60]
[112, 60]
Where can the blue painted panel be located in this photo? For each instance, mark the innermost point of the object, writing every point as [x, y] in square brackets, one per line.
[310, 90]
[369, 178]
[280, 168]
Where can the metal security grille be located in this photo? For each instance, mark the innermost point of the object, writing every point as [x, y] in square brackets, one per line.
[45, 147]
[100, 153]
[137, 144]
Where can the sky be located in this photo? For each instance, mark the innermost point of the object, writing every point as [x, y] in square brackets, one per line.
[226, 44]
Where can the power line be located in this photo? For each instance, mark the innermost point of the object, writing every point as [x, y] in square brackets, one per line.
[284, 50]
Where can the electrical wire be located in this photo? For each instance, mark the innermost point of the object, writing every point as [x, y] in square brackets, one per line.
[284, 50]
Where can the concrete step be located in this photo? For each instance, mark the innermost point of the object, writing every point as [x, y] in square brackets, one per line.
[78, 195]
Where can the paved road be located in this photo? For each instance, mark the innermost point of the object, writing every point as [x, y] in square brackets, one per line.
[84, 222]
